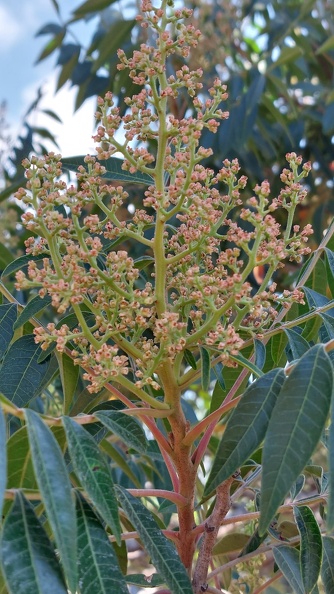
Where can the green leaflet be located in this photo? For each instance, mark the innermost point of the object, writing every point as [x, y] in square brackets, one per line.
[327, 569]
[125, 427]
[246, 427]
[297, 343]
[3, 460]
[28, 559]
[114, 170]
[69, 374]
[310, 546]
[295, 428]
[8, 315]
[21, 376]
[206, 368]
[161, 550]
[32, 308]
[93, 473]
[287, 560]
[55, 488]
[98, 567]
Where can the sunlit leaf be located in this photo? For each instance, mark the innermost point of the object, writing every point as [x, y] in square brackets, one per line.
[246, 427]
[55, 487]
[310, 546]
[28, 559]
[295, 428]
[230, 543]
[162, 551]
[93, 472]
[97, 563]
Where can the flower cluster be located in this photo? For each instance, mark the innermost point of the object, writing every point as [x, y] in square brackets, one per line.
[196, 289]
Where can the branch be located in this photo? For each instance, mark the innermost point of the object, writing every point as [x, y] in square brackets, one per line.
[211, 528]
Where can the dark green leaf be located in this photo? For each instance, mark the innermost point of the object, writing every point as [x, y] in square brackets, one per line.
[143, 581]
[28, 560]
[206, 368]
[246, 427]
[92, 6]
[310, 546]
[248, 364]
[52, 115]
[20, 262]
[190, 359]
[55, 488]
[111, 41]
[3, 459]
[295, 428]
[143, 262]
[93, 472]
[98, 567]
[327, 568]
[114, 170]
[253, 543]
[297, 343]
[8, 315]
[125, 427]
[287, 560]
[162, 551]
[34, 306]
[21, 377]
[260, 353]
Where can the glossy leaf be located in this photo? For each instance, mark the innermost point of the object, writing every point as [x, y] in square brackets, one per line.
[287, 560]
[297, 344]
[97, 563]
[21, 376]
[55, 488]
[327, 568]
[93, 472]
[310, 546]
[205, 361]
[3, 459]
[246, 427]
[126, 428]
[295, 428]
[20, 263]
[34, 306]
[28, 559]
[162, 551]
[8, 315]
[114, 170]
[20, 469]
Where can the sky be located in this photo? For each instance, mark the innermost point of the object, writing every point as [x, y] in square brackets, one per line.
[20, 78]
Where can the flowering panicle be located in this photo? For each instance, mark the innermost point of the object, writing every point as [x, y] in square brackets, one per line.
[196, 289]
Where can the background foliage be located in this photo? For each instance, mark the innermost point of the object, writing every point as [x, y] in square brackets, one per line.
[277, 60]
